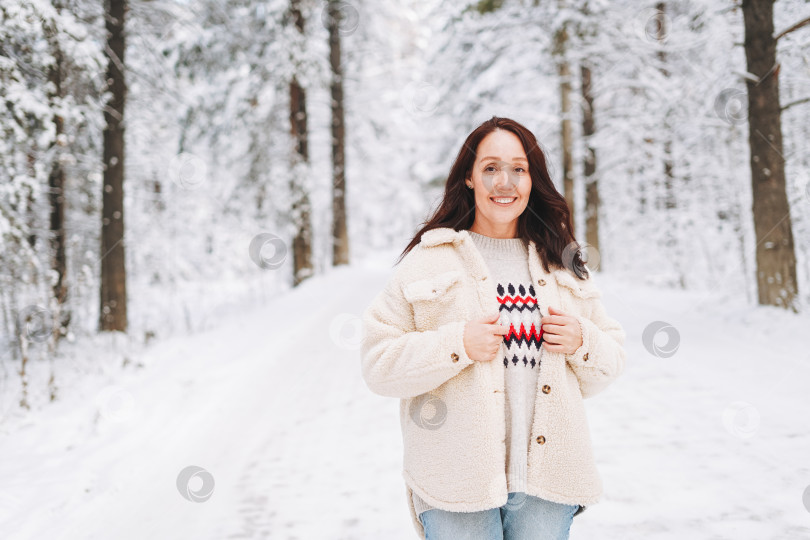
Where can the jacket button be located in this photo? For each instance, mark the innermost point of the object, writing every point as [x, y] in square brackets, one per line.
[541, 439]
[541, 281]
[585, 358]
[546, 389]
[454, 356]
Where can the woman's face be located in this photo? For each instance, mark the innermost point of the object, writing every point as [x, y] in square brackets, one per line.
[499, 174]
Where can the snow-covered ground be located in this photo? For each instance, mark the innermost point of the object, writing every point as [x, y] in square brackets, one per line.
[710, 443]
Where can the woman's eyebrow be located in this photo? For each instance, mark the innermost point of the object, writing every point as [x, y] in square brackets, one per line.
[498, 159]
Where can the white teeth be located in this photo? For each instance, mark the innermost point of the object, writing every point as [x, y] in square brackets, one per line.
[505, 200]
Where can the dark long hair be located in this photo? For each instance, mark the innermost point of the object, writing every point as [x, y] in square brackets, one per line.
[546, 219]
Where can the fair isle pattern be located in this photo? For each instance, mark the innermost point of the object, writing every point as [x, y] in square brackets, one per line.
[525, 335]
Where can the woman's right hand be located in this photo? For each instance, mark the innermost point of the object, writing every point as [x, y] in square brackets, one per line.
[483, 337]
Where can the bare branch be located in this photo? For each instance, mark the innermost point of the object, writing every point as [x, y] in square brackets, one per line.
[797, 102]
[796, 26]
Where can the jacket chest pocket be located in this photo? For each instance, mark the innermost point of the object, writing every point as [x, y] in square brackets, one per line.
[436, 300]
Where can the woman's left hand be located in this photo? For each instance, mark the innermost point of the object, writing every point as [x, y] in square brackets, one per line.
[561, 332]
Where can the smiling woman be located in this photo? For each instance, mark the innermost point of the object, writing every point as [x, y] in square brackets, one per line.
[491, 332]
[499, 183]
[499, 186]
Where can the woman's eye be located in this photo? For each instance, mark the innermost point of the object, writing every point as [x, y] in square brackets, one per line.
[489, 167]
[521, 169]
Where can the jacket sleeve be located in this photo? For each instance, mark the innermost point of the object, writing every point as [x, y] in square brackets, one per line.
[601, 357]
[399, 361]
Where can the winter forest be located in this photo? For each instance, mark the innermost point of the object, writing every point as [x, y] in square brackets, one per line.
[199, 198]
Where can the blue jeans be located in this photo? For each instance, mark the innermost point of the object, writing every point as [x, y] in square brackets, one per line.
[523, 517]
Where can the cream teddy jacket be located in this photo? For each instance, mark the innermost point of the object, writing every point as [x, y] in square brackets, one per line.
[413, 349]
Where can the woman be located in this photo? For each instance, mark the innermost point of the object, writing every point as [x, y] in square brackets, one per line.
[491, 332]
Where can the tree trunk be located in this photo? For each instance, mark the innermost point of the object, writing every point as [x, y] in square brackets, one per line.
[340, 236]
[589, 165]
[113, 298]
[56, 194]
[775, 256]
[30, 201]
[564, 72]
[302, 241]
[667, 201]
[661, 36]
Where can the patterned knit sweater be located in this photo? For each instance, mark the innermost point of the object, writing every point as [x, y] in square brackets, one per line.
[507, 260]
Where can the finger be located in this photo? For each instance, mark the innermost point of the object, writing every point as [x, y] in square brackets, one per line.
[554, 319]
[558, 329]
[499, 329]
[553, 347]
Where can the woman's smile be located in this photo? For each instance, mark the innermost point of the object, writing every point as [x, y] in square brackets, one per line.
[503, 201]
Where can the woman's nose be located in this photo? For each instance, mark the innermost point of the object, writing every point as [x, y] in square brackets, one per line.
[503, 182]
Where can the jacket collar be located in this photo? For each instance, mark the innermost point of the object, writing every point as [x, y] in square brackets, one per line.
[441, 235]
[448, 235]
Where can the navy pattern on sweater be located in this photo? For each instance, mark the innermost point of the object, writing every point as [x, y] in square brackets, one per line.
[525, 332]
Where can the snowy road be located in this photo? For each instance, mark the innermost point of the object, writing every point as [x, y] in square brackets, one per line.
[711, 443]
